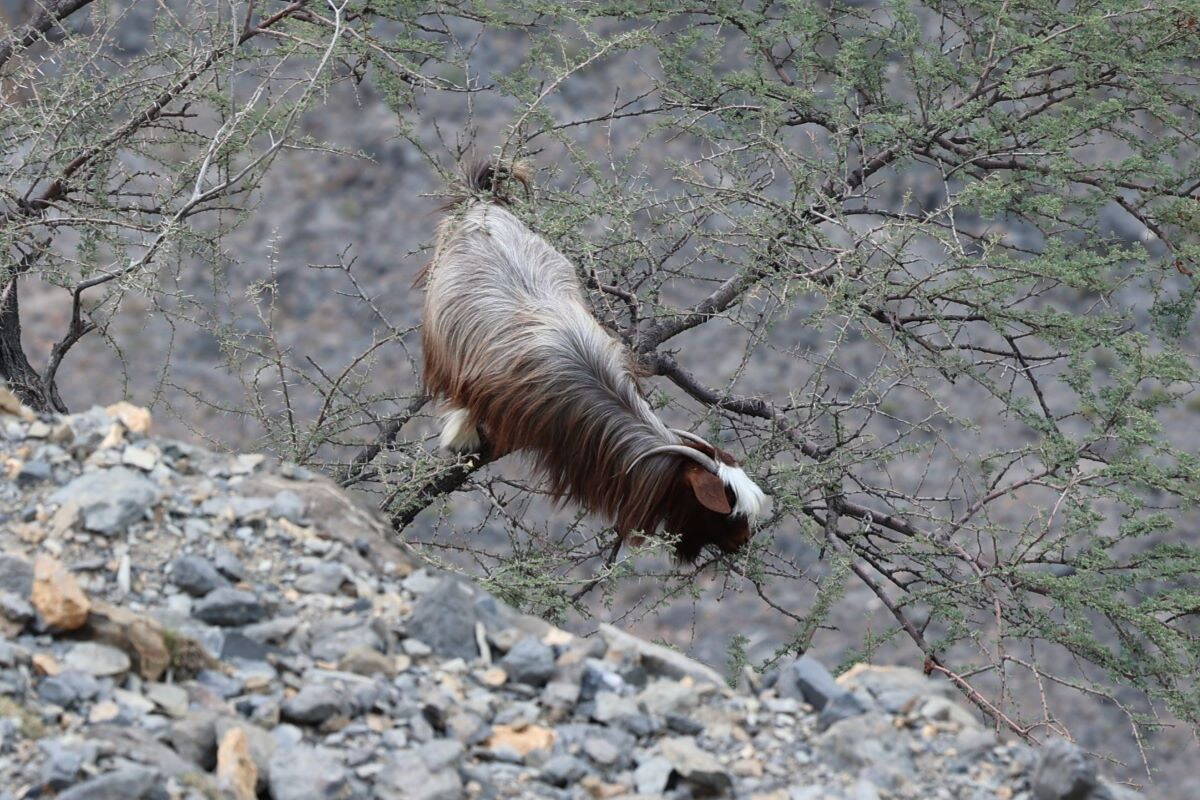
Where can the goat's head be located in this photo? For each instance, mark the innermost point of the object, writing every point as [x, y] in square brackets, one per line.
[710, 499]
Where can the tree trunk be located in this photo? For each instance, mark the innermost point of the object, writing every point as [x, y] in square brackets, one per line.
[22, 378]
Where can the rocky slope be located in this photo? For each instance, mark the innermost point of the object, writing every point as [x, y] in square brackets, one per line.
[176, 623]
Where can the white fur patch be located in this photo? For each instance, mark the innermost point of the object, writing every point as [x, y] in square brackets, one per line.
[459, 435]
[750, 499]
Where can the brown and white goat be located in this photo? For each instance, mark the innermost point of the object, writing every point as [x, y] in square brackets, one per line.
[512, 351]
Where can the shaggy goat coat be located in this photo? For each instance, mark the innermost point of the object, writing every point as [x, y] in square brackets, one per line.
[513, 351]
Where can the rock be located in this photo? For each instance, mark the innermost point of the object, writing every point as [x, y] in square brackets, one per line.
[228, 564]
[563, 770]
[444, 619]
[314, 704]
[368, 661]
[288, 505]
[32, 472]
[699, 769]
[601, 751]
[66, 758]
[308, 773]
[97, 659]
[16, 575]
[325, 578]
[134, 418]
[16, 609]
[520, 739]
[110, 500]
[68, 688]
[196, 576]
[1063, 772]
[868, 741]
[139, 637]
[652, 775]
[893, 689]
[663, 661]
[440, 753]
[609, 707]
[807, 678]
[56, 595]
[194, 738]
[406, 777]
[666, 697]
[262, 745]
[229, 607]
[127, 783]
[529, 661]
[236, 773]
[169, 697]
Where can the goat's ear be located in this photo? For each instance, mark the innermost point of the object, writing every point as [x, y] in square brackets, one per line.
[708, 488]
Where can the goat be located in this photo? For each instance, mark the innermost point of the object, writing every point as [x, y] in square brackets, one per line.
[512, 350]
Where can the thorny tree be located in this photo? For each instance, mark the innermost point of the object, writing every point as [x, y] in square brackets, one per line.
[929, 266]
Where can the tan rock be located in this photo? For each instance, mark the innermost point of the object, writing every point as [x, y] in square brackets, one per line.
[142, 638]
[523, 739]
[104, 711]
[46, 664]
[135, 418]
[236, 772]
[493, 677]
[10, 404]
[57, 596]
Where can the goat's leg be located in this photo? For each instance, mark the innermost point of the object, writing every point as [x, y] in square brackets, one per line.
[459, 432]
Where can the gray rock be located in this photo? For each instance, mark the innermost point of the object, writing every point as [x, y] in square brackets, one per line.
[841, 706]
[529, 661]
[563, 770]
[652, 775]
[659, 660]
[289, 505]
[598, 677]
[440, 753]
[16, 576]
[326, 578]
[110, 500]
[68, 687]
[196, 576]
[32, 472]
[225, 686]
[228, 564]
[807, 678]
[169, 697]
[444, 619]
[16, 608]
[308, 773]
[406, 777]
[65, 759]
[229, 607]
[335, 644]
[314, 704]
[868, 741]
[194, 738]
[96, 659]
[601, 751]
[1063, 772]
[127, 783]
[699, 769]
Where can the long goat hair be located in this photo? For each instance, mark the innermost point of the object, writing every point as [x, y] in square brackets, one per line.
[516, 357]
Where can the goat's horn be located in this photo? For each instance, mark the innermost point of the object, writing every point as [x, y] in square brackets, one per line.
[690, 437]
[680, 450]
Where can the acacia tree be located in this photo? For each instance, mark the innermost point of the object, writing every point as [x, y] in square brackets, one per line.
[928, 266]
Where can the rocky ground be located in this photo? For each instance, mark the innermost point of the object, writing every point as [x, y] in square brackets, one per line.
[176, 623]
